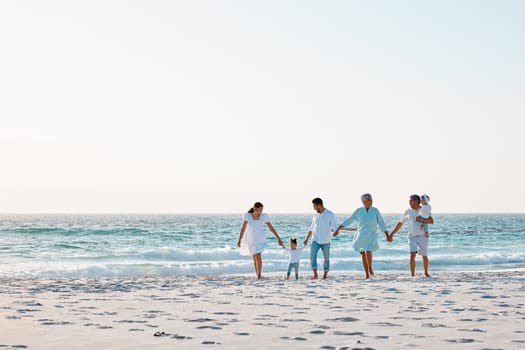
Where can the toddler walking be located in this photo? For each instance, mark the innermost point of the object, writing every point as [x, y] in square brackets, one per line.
[295, 257]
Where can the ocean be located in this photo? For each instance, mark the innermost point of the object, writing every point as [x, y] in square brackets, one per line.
[171, 245]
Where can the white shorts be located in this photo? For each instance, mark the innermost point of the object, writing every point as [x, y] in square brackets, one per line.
[418, 244]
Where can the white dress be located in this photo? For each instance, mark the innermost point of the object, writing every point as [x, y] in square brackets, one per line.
[254, 240]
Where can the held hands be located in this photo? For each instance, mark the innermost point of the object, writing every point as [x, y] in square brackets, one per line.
[239, 243]
[280, 242]
[306, 242]
[336, 232]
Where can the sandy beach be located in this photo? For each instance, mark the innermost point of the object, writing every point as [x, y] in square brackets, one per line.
[474, 310]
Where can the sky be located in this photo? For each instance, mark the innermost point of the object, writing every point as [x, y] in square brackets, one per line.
[208, 106]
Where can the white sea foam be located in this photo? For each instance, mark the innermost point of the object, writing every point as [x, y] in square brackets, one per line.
[78, 246]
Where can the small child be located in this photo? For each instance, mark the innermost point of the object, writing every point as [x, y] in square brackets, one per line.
[425, 212]
[295, 257]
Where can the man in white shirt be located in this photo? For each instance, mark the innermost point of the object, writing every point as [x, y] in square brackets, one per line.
[323, 224]
[417, 238]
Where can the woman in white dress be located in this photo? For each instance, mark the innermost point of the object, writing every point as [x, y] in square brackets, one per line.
[254, 235]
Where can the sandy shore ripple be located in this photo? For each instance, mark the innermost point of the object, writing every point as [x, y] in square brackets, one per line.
[475, 310]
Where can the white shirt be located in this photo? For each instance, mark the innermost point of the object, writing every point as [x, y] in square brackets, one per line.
[425, 210]
[295, 254]
[414, 227]
[322, 226]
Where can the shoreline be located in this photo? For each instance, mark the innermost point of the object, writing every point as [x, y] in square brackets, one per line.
[304, 274]
[466, 310]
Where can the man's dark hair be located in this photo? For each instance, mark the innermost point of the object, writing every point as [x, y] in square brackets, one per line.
[317, 201]
[415, 197]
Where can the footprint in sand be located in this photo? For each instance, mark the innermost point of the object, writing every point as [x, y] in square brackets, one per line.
[434, 325]
[210, 327]
[349, 333]
[245, 334]
[457, 309]
[210, 342]
[321, 326]
[343, 319]
[25, 311]
[461, 341]
[30, 303]
[294, 338]
[386, 324]
[472, 320]
[53, 323]
[295, 320]
[190, 295]
[200, 320]
[477, 330]
[503, 305]
[181, 337]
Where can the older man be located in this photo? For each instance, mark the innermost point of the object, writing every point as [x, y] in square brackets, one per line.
[368, 218]
[417, 238]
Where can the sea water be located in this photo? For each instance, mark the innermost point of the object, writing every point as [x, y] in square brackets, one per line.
[170, 245]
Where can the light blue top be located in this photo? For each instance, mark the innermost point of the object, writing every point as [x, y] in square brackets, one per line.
[365, 239]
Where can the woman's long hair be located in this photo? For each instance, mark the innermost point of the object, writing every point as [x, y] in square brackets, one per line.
[256, 205]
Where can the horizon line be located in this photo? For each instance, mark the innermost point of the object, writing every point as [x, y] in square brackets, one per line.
[230, 213]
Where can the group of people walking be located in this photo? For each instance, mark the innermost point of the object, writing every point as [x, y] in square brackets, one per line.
[252, 237]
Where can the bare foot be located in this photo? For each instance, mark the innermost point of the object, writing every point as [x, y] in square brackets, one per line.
[325, 275]
[315, 277]
[427, 275]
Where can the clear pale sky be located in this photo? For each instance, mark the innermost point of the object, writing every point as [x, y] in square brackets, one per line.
[208, 106]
